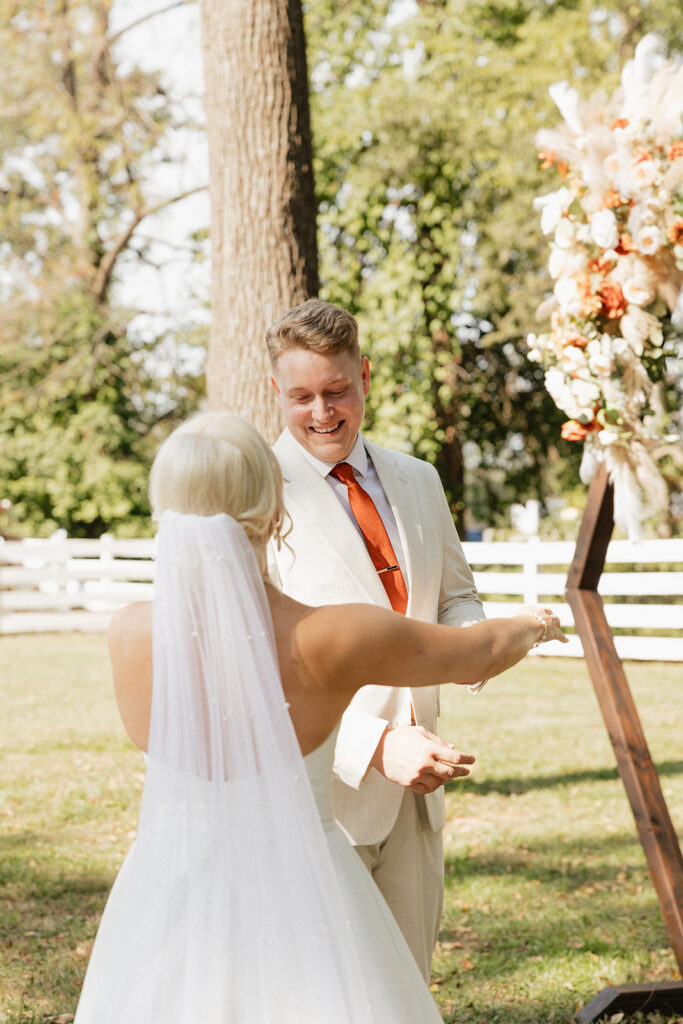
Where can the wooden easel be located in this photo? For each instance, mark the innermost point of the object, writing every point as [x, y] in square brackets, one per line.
[639, 775]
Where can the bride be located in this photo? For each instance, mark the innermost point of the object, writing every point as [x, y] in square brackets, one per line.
[241, 901]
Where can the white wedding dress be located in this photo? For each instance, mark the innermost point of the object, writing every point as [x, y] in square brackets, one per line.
[396, 989]
[240, 901]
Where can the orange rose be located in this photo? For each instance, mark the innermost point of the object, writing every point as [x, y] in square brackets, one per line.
[577, 340]
[675, 232]
[600, 266]
[590, 302]
[613, 301]
[571, 430]
[612, 199]
[626, 245]
[676, 151]
[547, 157]
[621, 122]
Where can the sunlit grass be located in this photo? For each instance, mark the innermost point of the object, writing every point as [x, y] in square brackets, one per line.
[548, 897]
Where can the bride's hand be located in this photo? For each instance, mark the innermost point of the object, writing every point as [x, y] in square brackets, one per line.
[547, 617]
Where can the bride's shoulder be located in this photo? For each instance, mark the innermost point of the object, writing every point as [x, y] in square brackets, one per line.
[136, 616]
[130, 627]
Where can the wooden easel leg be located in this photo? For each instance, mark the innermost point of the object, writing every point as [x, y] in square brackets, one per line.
[638, 773]
[665, 997]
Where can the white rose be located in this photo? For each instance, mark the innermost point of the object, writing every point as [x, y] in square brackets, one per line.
[583, 233]
[649, 239]
[601, 363]
[638, 291]
[612, 166]
[556, 386]
[566, 291]
[585, 392]
[573, 358]
[565, 233]
[607, 437]
[643, 174]
[604, 229]
[557, 262]
[552, 207]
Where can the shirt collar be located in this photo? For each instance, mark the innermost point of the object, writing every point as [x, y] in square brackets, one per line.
[357, 457]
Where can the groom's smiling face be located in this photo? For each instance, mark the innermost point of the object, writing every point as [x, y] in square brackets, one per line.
[322, 399]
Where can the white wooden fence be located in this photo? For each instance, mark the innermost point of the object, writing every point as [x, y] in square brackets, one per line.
[75, 585]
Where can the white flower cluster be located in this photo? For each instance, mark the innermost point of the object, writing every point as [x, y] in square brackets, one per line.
[616, 259]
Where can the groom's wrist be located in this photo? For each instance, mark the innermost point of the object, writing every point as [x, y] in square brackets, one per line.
[377, 759]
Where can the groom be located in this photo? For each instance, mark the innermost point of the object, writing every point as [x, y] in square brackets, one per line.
[371, 525]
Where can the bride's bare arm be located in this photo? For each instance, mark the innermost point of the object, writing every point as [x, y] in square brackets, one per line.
[130, 650]
[357, 645]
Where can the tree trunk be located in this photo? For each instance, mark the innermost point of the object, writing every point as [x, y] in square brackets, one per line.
[263, 208]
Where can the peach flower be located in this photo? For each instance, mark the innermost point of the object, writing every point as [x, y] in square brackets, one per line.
[573, 431]
[675, 232]
[644, 172]
[649, 239]
[613, 301]
[612, 199]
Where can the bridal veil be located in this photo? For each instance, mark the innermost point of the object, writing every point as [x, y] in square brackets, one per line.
[227, 909]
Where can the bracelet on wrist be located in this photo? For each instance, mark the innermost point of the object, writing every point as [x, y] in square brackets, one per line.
[544, 623]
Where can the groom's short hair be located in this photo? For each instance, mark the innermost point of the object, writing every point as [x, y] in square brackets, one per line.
[315, 326]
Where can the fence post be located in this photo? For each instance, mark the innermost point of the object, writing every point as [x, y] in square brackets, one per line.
[106, 560]
[530, 570]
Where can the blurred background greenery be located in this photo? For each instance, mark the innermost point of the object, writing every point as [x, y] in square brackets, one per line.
[424, 116]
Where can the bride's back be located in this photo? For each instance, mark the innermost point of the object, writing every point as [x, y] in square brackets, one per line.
[315, 703]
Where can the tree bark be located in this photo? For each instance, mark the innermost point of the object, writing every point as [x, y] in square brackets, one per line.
[263, 208]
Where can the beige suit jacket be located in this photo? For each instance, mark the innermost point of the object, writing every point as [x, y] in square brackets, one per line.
[325, 561]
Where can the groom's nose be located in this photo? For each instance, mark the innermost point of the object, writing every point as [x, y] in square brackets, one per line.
[322, 408]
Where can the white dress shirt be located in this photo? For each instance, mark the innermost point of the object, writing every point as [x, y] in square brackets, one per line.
[366, 475]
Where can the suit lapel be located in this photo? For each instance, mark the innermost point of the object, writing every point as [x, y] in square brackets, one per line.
[317, 511]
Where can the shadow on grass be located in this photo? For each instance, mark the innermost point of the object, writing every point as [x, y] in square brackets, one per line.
[557, 903]
[519, 786]
[556, 861]
[43, 898]
[50, 907]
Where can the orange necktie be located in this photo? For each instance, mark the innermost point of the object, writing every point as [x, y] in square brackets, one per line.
[376, 537]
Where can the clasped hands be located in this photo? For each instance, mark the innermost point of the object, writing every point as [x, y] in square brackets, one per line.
[417, 759]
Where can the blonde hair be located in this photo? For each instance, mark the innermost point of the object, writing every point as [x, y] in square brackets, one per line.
[315, 326]
[218, 462]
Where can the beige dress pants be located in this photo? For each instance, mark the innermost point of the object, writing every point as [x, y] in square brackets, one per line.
[408, 869]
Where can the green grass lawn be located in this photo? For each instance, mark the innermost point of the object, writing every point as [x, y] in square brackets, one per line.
[548, 898]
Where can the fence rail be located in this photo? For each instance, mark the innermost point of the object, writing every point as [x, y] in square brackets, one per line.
[69, 585]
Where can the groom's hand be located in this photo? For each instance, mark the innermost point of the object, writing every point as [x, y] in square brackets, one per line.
[417, 759]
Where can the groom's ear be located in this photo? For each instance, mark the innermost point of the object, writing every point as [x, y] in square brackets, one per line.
[276, 388]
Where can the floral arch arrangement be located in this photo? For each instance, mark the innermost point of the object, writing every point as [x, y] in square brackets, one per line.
[616, 314]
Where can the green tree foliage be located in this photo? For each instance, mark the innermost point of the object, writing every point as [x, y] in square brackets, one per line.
[81, 401]
[426, 171]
